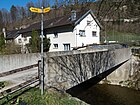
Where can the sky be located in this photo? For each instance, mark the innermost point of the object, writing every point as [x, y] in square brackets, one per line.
[8, 3]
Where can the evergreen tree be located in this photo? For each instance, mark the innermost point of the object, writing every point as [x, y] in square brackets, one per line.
[46, 44]
[35, 42]
[2, 41]
[13, 12]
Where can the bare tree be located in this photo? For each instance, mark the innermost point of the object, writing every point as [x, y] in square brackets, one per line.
[23, 12]
[14, 13]
[28, 5]
[45, 3]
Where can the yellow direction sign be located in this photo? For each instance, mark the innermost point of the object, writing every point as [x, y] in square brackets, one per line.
[46, 10]
[38, 10]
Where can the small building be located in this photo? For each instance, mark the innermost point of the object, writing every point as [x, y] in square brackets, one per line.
[16, 37]
[66, 32]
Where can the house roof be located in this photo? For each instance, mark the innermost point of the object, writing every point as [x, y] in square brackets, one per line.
[55, 22]
[12, 34]
[61, 21]
[58, 22]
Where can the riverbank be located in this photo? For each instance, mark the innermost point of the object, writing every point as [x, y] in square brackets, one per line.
[33, 97]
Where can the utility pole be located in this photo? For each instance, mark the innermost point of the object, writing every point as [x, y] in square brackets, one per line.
[41, 11]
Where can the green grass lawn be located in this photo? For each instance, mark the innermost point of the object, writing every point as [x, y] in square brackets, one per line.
[33, 97]
[123, 37]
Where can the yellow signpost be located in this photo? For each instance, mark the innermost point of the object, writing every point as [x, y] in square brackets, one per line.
[41, 11]
[38, 10]
[45, 10]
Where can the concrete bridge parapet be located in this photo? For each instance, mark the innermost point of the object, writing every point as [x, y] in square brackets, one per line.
[67, 69]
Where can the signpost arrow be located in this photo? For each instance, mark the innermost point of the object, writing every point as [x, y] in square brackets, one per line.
[45, 10]
[38, 10]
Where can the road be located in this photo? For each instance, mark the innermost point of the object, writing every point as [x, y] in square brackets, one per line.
[19, 77]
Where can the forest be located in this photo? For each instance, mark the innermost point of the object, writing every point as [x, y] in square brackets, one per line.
[19, 16]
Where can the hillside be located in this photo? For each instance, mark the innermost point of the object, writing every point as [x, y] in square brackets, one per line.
[121, 15]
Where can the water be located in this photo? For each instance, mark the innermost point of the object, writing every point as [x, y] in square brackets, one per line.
[110, 95]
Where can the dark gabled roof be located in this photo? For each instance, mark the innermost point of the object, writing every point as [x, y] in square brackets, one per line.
[55, 22]
[12, 34]
[61, 21]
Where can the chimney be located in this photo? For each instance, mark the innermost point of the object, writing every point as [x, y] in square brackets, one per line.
[73, 15]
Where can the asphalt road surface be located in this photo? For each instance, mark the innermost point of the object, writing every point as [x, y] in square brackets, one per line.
[19, 77]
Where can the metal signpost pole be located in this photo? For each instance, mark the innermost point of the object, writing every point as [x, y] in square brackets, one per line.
[42, 56]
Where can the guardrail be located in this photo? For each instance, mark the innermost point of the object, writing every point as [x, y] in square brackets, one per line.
[34, 81]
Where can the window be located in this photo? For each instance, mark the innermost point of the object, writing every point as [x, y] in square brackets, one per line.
[19, 40]
[94, 33]
[55, 35]
[55, 46]
[88, 23]
[25, 39]
[82, 32]
[66, 47]
[95, 26]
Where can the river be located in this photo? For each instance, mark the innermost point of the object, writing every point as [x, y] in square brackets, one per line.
[110, 95]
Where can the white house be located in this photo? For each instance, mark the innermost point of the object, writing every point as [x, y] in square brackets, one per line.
[17, 38]
[67, 32]
[85, 30]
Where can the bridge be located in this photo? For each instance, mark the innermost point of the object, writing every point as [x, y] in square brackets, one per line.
[68, 70]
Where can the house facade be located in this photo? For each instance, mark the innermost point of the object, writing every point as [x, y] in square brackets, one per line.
[66, 32]
[86, 31]
[16, 37]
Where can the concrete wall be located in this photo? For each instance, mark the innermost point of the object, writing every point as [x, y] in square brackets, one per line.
[121, 74]
[10, 62]
[127, 73]
[92, 62]
[68, 69]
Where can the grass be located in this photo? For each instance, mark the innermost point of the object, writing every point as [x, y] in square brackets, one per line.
[122, 36]
[33, 97]
[4, 83]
